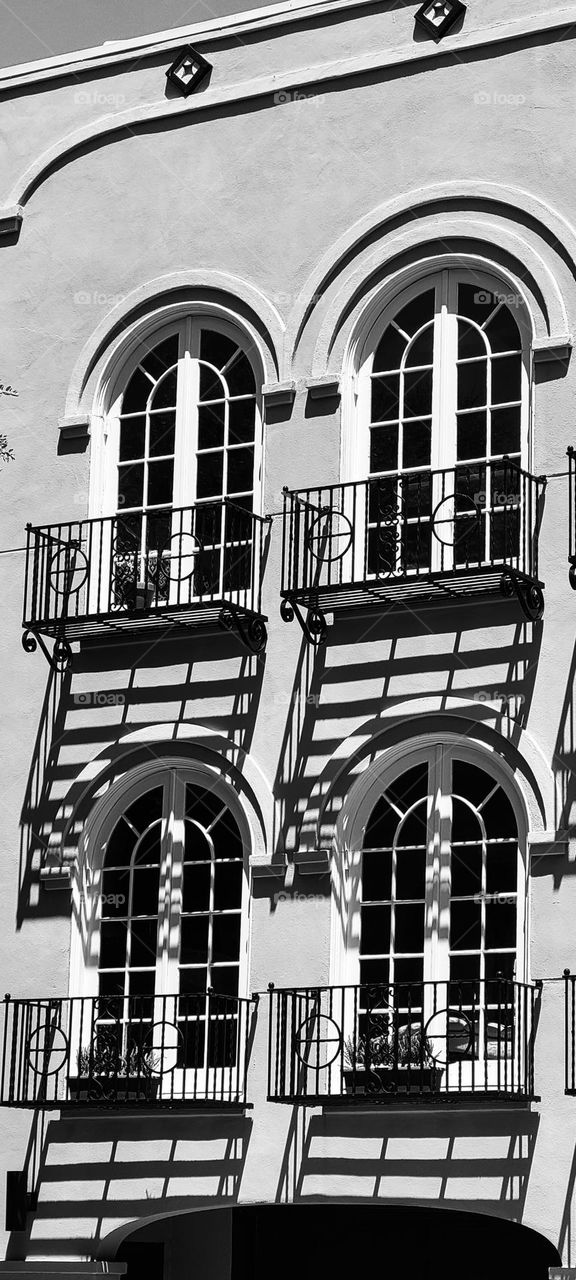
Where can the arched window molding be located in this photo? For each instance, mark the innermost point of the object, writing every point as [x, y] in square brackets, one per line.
[379, 309]
[186, 324]
[88, 880]
[351, 827]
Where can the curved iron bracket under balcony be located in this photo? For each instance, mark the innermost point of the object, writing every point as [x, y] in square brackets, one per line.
[169, 569]
[412, 537]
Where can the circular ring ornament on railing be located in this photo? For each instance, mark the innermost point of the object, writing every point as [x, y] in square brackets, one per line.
[457, 1027]
[315, 1032]
[61, 655]
[47, 1049]
[181, 553]
[171, 1041]
[457, 506]
[68, 570]
[329, 536]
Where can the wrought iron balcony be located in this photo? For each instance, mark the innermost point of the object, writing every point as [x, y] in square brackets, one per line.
[572, 514]
[171, 567]
[109, 1051]
[410, 537]
[427, 1042]
[569, 1032]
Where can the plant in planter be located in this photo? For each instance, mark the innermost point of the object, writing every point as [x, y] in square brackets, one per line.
[390, 1061]
[104, 1074]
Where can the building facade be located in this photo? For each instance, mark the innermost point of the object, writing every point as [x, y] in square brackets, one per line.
[287, 872]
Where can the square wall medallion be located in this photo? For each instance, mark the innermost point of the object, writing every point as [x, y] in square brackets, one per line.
[188, 70]
[438, 16]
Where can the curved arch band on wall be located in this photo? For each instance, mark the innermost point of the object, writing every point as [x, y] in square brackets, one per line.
[376, 744]
[412, 233]
[201, 291]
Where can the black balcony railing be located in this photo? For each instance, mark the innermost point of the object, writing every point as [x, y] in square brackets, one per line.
[432, 1042]
[415, 535]
[572, 514]
[569, 1032]
[106, 1051]
[185, 566]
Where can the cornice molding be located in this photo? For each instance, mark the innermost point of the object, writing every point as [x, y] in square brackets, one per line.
[284, 82]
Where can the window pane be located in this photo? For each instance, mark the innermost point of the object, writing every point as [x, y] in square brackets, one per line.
[466, 870]
[411, 971]
[115, 891]
[471, 436]
[502, 868]
[136, 395]
[469, 781]
[239, 375]
[143, 943]
[410, 786]
[226, 837]
[506, 430]
[500, 925]
[381, 828]
[132, 438]
[416, 444]
[470, 341]
[120, 845]
[472, 385]
[506, 379]
[374, 971]
[411, 874]
[164, 396]
[196, 844]
[375, 934]
[145, 891]
[194, 940]
[196, 887]
[203, 805]
[225, 979]
[418, 394]
[417, 312]
[409, 928]
[113, 945]
[194, 982]
[376, 876]
[160, 479]
[384, 448]
[414, 828]
[161, 433]
[390, 350]
[131, 486]
[240, 470]
[216, 348]
[498, 815]
[422, 349]
[465, 824]
[211, 384]
[385, 397]
[148, 851]
[161, 357]
[210, 474]
[476, 302]
[242, 420]
[211, 425]
[226, 937]
[465, 926]
[502, 331]
[228, 885]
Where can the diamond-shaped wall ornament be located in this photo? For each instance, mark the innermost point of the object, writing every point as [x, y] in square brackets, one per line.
[188, 70]
[437, 17]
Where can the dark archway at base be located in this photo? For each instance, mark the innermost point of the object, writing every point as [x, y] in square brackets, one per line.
[312, 1241]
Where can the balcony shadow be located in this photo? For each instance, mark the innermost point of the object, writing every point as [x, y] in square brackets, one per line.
[111, 691]
[99, 1170]
[373, 661]
[475, 1160]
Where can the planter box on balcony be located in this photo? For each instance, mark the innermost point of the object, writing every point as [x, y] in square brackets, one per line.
[113, 1089]
[392, 1080]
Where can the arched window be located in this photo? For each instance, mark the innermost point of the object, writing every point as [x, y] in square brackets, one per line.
[182, 464]
[437, 921]
[172, 926]
[443, 401]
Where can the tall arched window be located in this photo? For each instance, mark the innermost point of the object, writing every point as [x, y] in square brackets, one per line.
[437, 915]
[183, 462]
[443, 405]
[172, 919]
